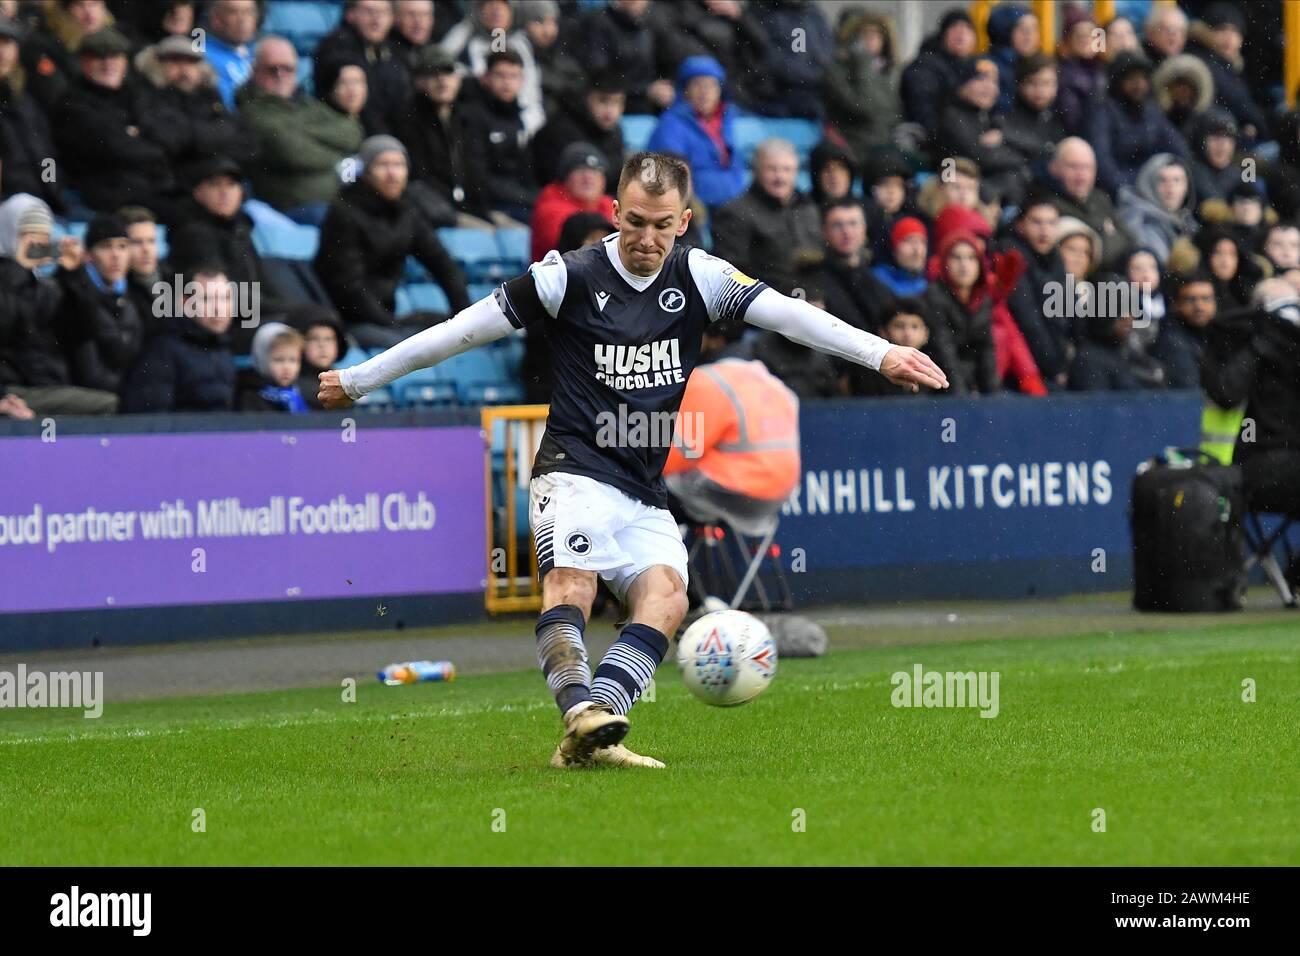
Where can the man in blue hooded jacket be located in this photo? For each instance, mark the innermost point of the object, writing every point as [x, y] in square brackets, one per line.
[699, 128]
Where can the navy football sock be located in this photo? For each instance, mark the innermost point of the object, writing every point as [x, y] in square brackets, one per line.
[628, 667]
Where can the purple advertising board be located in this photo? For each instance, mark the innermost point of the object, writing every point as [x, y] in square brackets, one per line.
[220, 517]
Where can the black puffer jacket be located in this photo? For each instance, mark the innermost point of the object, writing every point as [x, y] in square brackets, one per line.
[31, 348]
[103, 331]
[449, 155]
[511, 178]
[1050, 339]
[961, 342]
[111, 166]
[387, 78]
[25, 145]
[767, 239]
[187, 369]
[364, 243]
[961, 126]
[195, 126]
[927, 83]
[575, 125]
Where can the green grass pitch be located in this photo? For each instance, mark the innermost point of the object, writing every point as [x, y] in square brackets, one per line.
[1150, 727]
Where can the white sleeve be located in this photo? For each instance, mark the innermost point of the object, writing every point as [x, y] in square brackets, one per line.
[726, 290]
[551, 277]
[481, 323]
[808, 325]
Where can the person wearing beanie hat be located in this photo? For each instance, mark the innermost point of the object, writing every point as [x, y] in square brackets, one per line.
[1013, 34]
[928, 81]
[579, 186]
[968, 127]
[1080, 70]
[834, 169]
[365, 238]
[1216, 40]
[1127, 127]
[271, 385]
[212, 226]
[98, 316]
[904, 272]
[700, 128]
[36, 350]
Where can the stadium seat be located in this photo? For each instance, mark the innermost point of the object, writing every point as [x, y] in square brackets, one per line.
[381, 399]
[353, 356]
[422, 297]
[479, 290]
[476, 250]
[749, 131]
[429, 394]
[302, 22]
[285, 240]
[515, 247]
[637, 130]
[804, 134]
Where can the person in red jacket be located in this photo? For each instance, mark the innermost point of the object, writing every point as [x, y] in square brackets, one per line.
[579, 186]
[1001, 271]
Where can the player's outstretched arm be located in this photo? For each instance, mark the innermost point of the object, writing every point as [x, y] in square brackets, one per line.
[809, 325]
[481, 323]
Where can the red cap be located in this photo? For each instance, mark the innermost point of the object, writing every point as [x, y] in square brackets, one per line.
[907, 226]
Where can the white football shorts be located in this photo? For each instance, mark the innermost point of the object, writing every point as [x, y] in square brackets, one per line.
[579, 522]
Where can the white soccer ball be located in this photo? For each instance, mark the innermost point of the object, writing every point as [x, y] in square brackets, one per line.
[727, 658]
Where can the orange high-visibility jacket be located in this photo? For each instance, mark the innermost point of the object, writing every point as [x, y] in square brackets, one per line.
[739, 425]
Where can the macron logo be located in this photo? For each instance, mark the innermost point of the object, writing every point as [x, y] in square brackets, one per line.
[103, 909]
[601, 299]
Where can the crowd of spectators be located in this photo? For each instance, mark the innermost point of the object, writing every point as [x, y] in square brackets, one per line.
[1102, 217]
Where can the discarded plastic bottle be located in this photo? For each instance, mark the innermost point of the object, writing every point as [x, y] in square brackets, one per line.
[413, 672]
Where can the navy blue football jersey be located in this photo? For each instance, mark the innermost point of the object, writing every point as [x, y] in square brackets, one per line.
[623, 347]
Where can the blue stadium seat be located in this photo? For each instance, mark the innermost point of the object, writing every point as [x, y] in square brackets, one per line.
[637, 130]
[243, 362]
[422, 297]
[510, 352]
[749, 132]
[476, 250]
[302, 22]
[479, 290]
[515, 246]
[494, 393]
[429, 394]
[804, 134]
[286, 240]
[353, 356]
[415, 271]
[380, 399]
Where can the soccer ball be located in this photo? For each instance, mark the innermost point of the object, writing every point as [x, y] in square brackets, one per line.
[727, 658]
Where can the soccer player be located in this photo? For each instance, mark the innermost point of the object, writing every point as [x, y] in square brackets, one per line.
[625, 318]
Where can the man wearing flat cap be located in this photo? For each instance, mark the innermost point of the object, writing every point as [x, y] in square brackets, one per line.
[101, 130]
[186, 115]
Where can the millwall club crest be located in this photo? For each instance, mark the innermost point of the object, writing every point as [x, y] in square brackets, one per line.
[578, 543]
[672, 300]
